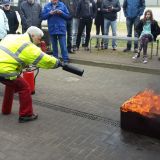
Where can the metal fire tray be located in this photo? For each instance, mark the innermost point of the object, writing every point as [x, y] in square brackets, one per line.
[137, 123]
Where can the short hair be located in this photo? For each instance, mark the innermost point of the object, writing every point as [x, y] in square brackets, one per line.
[33, 30]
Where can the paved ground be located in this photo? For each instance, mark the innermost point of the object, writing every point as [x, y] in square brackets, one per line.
[79, 116]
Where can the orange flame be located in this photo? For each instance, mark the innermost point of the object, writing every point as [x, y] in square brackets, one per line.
[146, 103]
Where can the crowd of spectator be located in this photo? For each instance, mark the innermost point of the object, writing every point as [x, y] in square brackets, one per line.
[70, 23]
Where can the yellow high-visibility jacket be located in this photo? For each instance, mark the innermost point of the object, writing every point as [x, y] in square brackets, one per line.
[17, 51]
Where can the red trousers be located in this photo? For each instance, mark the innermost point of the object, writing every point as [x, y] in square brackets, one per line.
[21, 86]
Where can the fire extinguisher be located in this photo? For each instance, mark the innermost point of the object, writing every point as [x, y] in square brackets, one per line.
[30, 77]
[28, 73]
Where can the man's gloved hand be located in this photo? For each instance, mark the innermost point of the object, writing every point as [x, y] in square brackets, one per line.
[60, 64]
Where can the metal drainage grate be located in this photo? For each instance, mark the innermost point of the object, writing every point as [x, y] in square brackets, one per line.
[86, 115]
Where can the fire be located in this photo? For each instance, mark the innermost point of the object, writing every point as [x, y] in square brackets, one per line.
[146, 103]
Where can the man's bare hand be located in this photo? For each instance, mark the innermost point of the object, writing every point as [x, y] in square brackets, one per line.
[52, 12]
[55, 12]
[59, 12]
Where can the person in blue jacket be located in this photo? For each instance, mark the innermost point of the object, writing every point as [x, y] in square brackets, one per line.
[57, 14]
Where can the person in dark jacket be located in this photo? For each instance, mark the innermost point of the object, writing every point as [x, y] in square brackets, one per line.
[86, 12]
[133, 10]
[11, 16]
[57, 14]
[110, 9]
[75, 23]
[30, 12]
[19, 4]
[147, 30]
[99, 22]
[72, 24]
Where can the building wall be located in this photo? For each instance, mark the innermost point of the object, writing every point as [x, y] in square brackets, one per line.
[148, 2]
[155, 10]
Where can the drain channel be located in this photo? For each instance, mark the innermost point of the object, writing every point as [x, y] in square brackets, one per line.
[86, 115]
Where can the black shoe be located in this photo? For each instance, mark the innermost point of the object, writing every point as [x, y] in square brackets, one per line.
[23, 119]
[126, 50]
[114, 48]
[102, 47]
[86, 49]
[76, 49]
[70, 51]
[83, 45]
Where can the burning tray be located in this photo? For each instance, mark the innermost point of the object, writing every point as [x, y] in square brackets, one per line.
[141, 114]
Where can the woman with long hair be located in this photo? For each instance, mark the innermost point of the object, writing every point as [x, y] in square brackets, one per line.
[148, 30]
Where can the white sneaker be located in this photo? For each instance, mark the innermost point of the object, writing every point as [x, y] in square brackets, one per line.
[145, 60]
[136, 56]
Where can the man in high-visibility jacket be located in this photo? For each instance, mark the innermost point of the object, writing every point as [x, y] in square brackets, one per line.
[17, 51]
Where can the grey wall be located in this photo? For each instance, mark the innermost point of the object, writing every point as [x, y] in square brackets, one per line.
[148, 2]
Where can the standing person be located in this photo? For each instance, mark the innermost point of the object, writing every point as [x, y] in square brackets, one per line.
[99, 22]
[4, 27]
[11, 15]
[19, 4]
[30, 12]
[16, 52]
[133, 10]
[56, 14]
[75, 24]
[86, 11]
[147, 30]
[110, 9]
[70, 7]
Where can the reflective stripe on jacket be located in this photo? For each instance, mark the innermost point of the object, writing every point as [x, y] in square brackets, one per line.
[17, 51]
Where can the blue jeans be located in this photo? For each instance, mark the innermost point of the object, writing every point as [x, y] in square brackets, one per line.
[107, 24]
[75, 24]
[130, 22]
[62, 42]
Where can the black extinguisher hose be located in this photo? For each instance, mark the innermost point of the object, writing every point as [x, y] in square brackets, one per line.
[37, 72]
[37, 69]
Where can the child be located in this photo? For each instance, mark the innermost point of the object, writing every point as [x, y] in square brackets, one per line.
[148, 31]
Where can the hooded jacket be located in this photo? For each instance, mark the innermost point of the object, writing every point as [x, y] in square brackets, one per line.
[133, 8]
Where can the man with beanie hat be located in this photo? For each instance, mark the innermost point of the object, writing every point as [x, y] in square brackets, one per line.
[11, 15]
